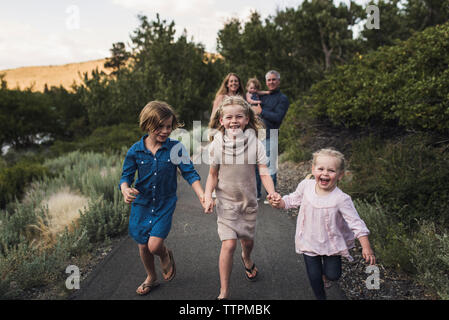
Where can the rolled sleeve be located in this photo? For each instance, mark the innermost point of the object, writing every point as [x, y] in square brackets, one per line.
[189, 173]
[186, 167]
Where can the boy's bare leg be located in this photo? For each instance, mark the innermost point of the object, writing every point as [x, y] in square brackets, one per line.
[148, 262]
[157, 247]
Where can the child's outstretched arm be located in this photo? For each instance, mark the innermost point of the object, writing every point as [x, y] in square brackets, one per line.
[367, 252]
[267, 182]
[261, 93]
[211, 183]
[189, 173]
[199, 191]
[293, 200]
[358, 226]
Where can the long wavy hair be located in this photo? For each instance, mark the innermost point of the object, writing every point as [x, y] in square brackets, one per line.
[223, 90]
[254, 121]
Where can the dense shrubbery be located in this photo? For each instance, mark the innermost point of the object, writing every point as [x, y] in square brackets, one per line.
[23, 260]
[295, 133]
[103, 139]
[15, 179]
[409, 177]
[388, 111]
[423, 252]
[405, 84]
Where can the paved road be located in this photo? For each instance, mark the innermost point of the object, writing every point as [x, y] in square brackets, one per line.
[195, 244]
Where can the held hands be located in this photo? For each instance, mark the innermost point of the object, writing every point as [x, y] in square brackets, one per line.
[275, 200]
[129, 194]
[208, 204]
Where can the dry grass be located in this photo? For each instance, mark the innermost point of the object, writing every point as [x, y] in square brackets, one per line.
[64, 75]
[63, 210]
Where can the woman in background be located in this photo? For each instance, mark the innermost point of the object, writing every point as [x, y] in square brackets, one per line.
[231, 86]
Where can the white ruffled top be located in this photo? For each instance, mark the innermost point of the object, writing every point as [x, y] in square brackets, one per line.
[326, 225]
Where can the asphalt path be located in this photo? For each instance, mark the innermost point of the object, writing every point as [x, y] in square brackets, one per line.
[196, 245]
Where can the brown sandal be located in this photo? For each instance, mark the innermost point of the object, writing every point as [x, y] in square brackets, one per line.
[172, 266]
[147, 287]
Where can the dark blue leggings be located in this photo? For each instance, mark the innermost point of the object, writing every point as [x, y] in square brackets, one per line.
[316, 266]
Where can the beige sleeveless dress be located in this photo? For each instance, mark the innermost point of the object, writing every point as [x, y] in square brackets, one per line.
[236, 204]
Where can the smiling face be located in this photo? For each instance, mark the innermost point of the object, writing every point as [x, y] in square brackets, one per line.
[327, 172]
[252, 88]
[233, 85]
[272, 82]
[234, 120]
[163, 131]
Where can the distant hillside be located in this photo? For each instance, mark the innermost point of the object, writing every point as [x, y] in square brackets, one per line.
[57, 75]
[63, 75]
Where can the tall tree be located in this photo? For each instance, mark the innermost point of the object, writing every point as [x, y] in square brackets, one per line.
[399, 20]
[118, 58]
[160, 67]
[302, 43]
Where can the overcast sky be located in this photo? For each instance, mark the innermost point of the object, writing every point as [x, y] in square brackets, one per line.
[48, 32]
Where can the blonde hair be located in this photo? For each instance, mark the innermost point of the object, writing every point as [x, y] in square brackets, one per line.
[330, 153]
[154, 114]
[255, 81]
[253, 121]
[223, 90]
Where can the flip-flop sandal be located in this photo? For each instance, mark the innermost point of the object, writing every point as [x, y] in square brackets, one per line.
[172, 266]
[250, 271]
[147, 287]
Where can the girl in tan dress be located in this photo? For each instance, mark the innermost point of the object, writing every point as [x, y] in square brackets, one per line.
[234, 153]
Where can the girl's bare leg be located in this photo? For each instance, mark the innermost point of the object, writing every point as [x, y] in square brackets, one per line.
[247, 248]
[225, 265]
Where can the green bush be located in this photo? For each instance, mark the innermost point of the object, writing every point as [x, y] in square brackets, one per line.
[14, 180]
[25, 265]
[104, 139]
[387, 236]
[295, 133]
[95, 176]
[408, 176]
[429, 250]
[405, 84]
[422, 253]
[14, 226]
[104, 220]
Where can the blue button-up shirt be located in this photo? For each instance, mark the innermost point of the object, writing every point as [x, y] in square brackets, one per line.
[156, 179]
